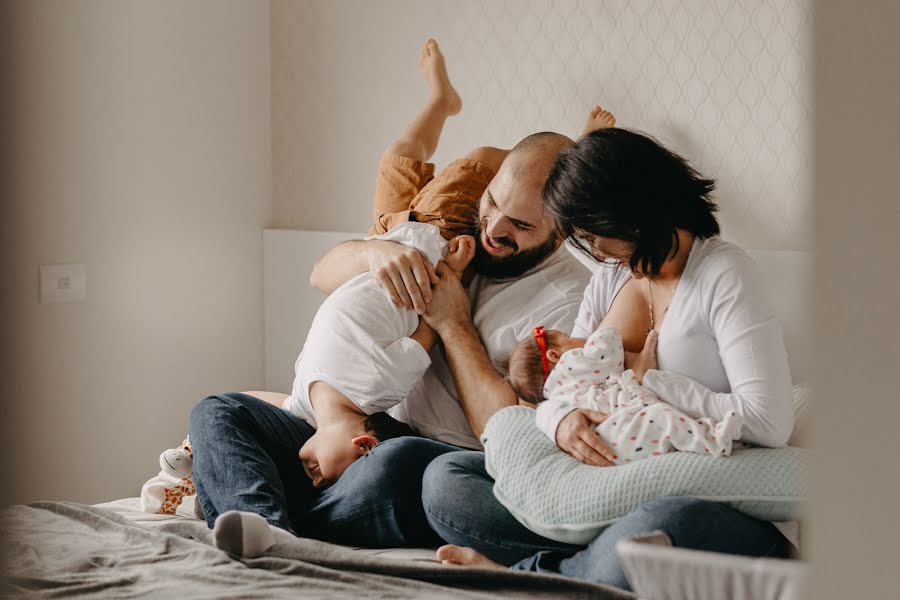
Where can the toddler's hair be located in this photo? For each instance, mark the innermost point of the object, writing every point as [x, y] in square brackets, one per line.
[384, 427]
[526, 371]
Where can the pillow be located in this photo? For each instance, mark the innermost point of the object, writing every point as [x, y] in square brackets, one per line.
[560, 498]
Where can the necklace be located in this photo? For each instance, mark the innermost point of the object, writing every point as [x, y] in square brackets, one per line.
[650, 297]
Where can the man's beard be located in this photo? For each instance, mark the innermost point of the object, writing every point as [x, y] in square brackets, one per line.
[504, 267]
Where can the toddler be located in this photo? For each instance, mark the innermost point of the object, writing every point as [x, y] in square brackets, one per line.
[573, 373]
[363, 354]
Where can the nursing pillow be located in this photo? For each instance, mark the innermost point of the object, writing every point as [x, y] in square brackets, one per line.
[560, 498]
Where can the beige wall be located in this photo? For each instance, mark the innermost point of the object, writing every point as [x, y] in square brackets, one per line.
[724, 82]
[854, 532]
[137, 142]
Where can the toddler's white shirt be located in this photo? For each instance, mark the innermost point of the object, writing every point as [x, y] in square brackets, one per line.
[359, 341]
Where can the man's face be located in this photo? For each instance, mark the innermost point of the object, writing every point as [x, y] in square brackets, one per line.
[514, 235]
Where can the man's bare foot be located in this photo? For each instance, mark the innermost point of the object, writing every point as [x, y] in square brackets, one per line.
[431, 62]
[598, 119]
[460, 253]
[465, 557]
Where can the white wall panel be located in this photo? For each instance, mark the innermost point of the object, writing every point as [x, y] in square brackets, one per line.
[724, 82]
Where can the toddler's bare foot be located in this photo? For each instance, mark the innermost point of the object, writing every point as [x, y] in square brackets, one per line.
[431, 62]
[460, 253]
[466, 557]
[598, 119]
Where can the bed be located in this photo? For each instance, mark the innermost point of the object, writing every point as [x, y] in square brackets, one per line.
[59, 549]
[113, 550]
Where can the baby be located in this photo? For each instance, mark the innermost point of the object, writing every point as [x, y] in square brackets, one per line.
[573, 373]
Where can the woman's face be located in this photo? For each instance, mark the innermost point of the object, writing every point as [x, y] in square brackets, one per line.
[609, 249]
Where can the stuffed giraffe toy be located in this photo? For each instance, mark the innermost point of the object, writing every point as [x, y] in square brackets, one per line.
[164, 493]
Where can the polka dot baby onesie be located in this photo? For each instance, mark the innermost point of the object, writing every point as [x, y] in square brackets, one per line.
[639, 424]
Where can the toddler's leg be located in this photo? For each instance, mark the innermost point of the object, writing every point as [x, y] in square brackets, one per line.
[488, 156]
[598, 118]
[450, 200]
[420, 138]
[404, 170]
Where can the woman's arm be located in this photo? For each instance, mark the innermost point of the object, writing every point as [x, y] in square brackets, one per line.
[752, 351]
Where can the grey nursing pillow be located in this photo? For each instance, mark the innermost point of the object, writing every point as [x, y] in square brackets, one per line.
[560, 498]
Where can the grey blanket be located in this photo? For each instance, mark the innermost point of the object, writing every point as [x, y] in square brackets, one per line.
[59, 549]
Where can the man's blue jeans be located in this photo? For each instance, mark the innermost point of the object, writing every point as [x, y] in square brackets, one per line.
[461, 507]
[246, 458]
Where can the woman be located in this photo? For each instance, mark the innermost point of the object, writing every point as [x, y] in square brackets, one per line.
[647, 216]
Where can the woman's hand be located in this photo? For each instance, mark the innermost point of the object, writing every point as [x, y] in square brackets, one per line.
[403, 272]
[576, 435]
[449, 301]
[643, 361]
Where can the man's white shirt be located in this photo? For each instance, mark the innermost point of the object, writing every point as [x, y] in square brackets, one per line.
[504, 312]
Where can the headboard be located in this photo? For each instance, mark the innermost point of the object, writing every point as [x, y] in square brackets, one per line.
[290, 301]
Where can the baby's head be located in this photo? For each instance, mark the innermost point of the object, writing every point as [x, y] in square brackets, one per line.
[532, 360]
[333, 448]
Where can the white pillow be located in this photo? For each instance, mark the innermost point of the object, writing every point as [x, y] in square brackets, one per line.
[560, 498]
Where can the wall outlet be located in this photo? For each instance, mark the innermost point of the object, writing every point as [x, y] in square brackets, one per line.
[62, 283]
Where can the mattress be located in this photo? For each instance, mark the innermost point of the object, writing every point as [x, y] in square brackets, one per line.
[130, 508]
[113, 550]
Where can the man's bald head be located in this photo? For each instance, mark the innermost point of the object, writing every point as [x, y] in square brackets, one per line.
[534, 156]
[515, 233]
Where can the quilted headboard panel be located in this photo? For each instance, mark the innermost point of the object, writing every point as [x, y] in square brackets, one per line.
[724, 82]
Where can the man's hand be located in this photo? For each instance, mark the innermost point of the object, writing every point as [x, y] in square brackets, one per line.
[576, 435]
[645, 360]
[403, 272]
[449, 302]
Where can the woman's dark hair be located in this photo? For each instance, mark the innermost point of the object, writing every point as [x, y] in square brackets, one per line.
[616, 183]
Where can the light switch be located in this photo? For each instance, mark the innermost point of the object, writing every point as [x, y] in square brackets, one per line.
[62, 283]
